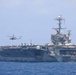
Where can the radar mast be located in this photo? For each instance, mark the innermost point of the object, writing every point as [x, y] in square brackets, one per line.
[59, 19]
[59, 38]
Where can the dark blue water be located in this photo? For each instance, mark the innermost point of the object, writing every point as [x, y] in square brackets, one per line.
[44, 68]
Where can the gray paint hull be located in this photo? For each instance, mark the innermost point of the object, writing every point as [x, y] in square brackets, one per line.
[33, 55]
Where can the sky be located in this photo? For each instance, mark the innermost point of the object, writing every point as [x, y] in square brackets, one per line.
[34, 20]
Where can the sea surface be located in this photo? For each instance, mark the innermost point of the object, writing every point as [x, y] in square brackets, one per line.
[38, 68]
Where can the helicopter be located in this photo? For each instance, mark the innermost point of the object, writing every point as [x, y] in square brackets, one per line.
[14, 37]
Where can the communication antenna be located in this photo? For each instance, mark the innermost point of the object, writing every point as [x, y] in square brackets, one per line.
[69, 33]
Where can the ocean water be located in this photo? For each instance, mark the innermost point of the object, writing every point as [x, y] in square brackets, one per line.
[40, 68]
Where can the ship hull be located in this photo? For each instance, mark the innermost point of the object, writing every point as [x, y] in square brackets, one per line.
[26, 55]
[38, 59]
[33, 55]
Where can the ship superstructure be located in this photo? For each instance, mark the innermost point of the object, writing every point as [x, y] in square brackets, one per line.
[62, 50]
[60, 38]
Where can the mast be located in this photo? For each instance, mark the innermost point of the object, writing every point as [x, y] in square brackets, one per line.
[59, 19]
[59, 38]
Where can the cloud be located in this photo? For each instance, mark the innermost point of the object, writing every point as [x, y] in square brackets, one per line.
[71, 2]
[36, 6]
[10, 3]
[30, 5]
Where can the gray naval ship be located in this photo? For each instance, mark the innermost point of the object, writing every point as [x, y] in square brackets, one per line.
[61, 49]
